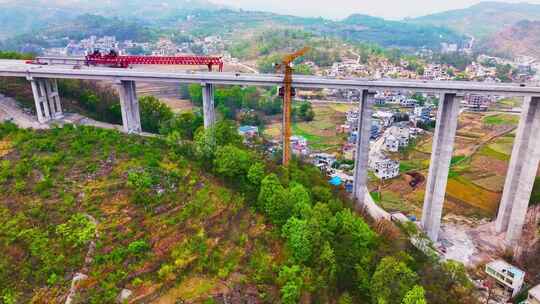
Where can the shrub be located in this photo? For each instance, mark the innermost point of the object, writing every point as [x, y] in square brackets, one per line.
[138, 248]
[291, 279]
[77, 231]
[154, 113]
[232, 162]
[273, 200]
[391, 281]
[298, 239]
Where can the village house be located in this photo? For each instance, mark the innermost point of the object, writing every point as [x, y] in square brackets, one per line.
[386, 117]
[475, 102]
[299, 145]
[248, 131]
[379, 100]
[348, 151]
[506, 275]
[423, 112]
[391, 143]
[435, 72]
[323, 158]
[396, 137]
[383, 167]
[408, 102]
[534, 295]
[421, 115]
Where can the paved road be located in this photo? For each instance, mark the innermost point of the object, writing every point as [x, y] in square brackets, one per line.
[17, 68]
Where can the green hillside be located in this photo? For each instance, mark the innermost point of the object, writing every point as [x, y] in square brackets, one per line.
[194, 221]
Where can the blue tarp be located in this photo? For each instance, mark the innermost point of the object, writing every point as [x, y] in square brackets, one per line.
[336, 181]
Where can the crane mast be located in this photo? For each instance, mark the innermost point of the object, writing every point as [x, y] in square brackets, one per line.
[287, 102]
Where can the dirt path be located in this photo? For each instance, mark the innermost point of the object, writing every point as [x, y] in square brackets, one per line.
[81, 276]
[490, 138]
[11, 111]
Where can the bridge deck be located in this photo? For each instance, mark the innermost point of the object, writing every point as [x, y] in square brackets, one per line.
[17, 68]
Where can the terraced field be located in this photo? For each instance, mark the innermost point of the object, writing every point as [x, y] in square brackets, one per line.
[321, 132]
[482, 151]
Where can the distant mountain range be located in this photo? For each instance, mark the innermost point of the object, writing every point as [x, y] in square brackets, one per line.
[483, 19]
[19, 16]
[495, 22]
[504, 29]
[61, 18]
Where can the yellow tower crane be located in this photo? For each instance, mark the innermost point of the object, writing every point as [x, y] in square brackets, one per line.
[287, 100]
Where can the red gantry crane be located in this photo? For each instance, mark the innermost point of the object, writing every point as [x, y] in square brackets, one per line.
[113, 60]
[120, 61]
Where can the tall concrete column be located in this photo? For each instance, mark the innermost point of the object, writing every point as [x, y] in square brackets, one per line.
[46, 104]
[46, 98]
[40, 100]
[441, 156]
[521, 173]
[53, 97]
[362, 148]
[129, 104]
[208, 105]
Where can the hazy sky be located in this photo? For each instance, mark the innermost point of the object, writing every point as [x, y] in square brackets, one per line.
[336, 9]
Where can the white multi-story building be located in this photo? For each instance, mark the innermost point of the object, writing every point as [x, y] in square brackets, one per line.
[510, 277]
[299, 145]
[534, 295]
[323, 158]
[407, 102]
[396, 137]
[422, 112]
[386, 117]
[391, 143]
[475, 102]
[383, 167]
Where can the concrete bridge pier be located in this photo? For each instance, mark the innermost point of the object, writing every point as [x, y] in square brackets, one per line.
[46, 98]
[129, 104]
[521, 173]
[362, 148]
[441, 156]
[208, 105]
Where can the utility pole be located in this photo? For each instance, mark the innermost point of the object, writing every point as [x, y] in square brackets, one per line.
[287, 101]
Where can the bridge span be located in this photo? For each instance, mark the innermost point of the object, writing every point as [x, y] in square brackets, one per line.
[523, 164]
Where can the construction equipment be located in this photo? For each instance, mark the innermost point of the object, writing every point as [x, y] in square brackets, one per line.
[287, 100]
[112, 59]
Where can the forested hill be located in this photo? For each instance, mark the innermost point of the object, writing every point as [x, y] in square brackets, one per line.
[26, 25]
[483, 19]
[392, 33]
[22, 16]
[199, 219]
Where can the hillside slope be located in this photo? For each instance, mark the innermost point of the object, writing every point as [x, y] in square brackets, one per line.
[482, 19]
[159, 220]
[179, 221]
[520, 39]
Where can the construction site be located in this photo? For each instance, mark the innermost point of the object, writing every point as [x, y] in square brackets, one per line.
[467, 164]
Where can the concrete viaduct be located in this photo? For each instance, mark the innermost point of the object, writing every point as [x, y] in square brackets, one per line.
[523, 164]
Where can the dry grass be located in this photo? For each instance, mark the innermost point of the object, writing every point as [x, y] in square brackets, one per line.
[189, 289]
[463, 190]
[321, 132]
[5, 147]
[493, 183]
